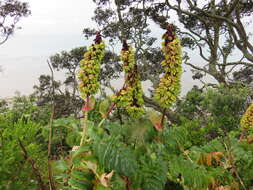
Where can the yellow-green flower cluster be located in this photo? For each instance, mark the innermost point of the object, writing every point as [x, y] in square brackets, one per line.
[130, 96]
[247, 118]
[90, 68]
[127, 58]
[169, 86]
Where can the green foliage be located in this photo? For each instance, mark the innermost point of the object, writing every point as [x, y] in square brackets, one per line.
[21, 144]
[104, 107]
[190, 174]
[205, 150]
[139, 155]
[75, 173]
[113, 155]
[153, 173]
[66, 133]
[24, 107]
[149, 159]
[190, 106]
[212, 113]
[176, 139]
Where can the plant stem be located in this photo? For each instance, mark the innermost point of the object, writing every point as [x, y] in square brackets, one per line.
[231, 159]
[85, 123]
[162, 121]
[111, 108]
[101, 122]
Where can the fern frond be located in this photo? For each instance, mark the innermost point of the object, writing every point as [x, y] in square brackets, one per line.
[114, 155]
[189, 173]
[154, 174]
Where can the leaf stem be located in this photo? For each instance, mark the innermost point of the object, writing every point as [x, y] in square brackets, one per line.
[101, 122]
[111, 107]
[232, 160]
[163, 117]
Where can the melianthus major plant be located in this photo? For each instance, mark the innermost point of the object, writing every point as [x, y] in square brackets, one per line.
[130, 96]
[135, 155]
[99, 159]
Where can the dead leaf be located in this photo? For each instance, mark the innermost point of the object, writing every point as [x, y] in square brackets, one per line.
[105, 178]
[74, 148]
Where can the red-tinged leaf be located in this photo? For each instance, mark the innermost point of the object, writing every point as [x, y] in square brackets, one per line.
[207, 159]
[217, 156]
[250, 139]
[90, 104]
[158, 126]
[156, 120]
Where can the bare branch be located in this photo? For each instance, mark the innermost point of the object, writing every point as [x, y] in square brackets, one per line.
[50, 174]
[197, 68]
[198, 44]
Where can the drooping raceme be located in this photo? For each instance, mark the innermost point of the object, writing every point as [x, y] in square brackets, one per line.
[130, 96]
[90, 68]
[169, 86]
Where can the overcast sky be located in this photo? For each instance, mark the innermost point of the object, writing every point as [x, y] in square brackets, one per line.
[54, 25]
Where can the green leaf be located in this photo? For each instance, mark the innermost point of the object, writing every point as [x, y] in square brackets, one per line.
[61, 177]
[82, 175]
[113, 155]
[101, 187]
[104, 107]
[81, 150]
[80, 185]
[61, 165]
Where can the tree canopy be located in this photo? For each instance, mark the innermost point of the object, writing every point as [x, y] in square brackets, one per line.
[216, 29]
[11, 11]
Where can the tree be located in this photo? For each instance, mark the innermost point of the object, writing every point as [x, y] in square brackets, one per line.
[67, 97]
[65, 103]
[68, 61]
[119, 20]
[245, 75]
[11, 11]
[216, 28]
[127, 21]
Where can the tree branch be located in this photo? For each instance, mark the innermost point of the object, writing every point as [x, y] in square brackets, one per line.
[199, 46]
[35, 170]
[171, 116]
